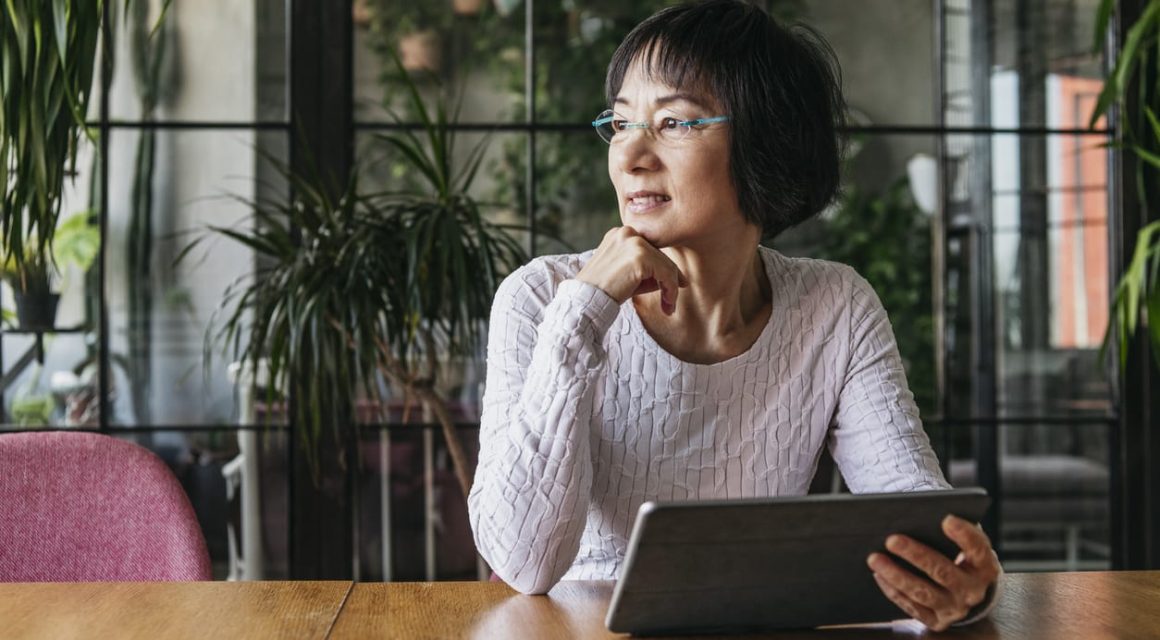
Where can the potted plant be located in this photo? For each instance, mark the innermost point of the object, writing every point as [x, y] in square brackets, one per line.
[49, 50]
[352, 285]
[467, 7]
[360, 12]
[411, 30]
[36, 278]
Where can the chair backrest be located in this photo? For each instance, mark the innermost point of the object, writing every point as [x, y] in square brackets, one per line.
[86, 507]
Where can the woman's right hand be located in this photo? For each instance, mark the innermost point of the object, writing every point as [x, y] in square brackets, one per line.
[626, 265]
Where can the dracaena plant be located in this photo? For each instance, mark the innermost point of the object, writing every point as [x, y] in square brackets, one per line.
[1137, 296]
[351, 284]
[46, 73]
[48, 50]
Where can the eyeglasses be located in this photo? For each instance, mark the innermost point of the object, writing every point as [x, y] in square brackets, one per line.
[667, 128]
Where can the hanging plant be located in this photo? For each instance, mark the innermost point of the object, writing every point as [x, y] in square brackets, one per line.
[46, 72]
[48, 52]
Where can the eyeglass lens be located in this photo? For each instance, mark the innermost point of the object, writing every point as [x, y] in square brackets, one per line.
[667, 128]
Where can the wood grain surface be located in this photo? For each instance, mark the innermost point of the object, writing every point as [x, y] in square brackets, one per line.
[170, 609]
[1051, 605]
[1054, 605]
[473, 610]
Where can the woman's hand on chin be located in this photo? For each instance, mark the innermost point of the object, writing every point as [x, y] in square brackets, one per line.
[950, 589]
[626, 265]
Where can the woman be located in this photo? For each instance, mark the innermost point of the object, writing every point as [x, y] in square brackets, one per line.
[681, 360]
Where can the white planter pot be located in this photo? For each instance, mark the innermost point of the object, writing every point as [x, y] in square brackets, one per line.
[504, 7]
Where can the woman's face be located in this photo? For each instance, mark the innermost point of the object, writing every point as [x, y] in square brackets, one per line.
[673, 193]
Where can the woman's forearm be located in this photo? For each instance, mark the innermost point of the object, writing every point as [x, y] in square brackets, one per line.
[530, 497]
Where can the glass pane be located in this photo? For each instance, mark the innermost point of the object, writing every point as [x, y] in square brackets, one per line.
[471, 48]
[498, 189]
[575, 201]
[1012, 64]
[212, 60]
[401, 535]
[875, 40]
[1055, 501]
[574, 44]
[160, 310]
[48, 343]
[498, 184]
[1028, 236]
[55, 378]
[1050, 212]
[1047, 207]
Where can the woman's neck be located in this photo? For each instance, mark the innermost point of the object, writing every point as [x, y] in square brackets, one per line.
[720, 313]
[725, 292]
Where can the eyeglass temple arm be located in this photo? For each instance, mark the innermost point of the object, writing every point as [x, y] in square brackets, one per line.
[693, 123]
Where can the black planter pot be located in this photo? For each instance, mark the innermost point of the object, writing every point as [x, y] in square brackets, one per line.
[36, 311]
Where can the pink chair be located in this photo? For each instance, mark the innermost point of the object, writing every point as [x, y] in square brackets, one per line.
[84, 507]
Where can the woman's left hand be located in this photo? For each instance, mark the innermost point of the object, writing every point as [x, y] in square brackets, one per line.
[952, 589]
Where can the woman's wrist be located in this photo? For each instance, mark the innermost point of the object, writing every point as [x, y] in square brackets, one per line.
[983, 609]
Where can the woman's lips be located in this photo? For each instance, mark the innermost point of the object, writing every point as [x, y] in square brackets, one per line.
[642, 202]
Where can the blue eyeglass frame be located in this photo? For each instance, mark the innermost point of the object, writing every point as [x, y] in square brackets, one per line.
[644, 125]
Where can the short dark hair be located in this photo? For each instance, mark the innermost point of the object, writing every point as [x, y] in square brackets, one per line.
[781, 87]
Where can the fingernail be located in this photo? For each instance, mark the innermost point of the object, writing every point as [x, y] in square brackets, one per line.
[895, 543]
[872, 560]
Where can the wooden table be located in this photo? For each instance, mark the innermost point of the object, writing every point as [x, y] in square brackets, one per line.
[1046, 605]
[1059, 605]
[170, 609]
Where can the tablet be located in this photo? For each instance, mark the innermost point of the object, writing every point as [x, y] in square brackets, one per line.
[726, 566]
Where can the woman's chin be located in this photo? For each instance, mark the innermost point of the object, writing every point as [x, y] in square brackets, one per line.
[648, 229]
[656, 239]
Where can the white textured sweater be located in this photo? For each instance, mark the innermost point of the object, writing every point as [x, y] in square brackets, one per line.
[585, 417]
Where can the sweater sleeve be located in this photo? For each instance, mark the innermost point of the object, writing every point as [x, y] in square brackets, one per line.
[529, 501]
[877, 439]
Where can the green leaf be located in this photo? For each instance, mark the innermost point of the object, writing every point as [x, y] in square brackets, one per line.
[1139, 37]
[354, 284]
[1147, 156]
[1103, 19]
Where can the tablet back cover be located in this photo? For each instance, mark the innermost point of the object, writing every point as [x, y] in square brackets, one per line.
[748, 565]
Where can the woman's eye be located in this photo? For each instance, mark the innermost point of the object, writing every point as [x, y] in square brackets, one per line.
[618, 125]
[669, 123]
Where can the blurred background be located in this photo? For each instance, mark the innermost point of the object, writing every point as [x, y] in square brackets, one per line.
[976, 201]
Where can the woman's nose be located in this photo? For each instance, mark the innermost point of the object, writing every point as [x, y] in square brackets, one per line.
[633, 151]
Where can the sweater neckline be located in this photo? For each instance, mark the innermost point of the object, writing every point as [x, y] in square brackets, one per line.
[753, 352]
